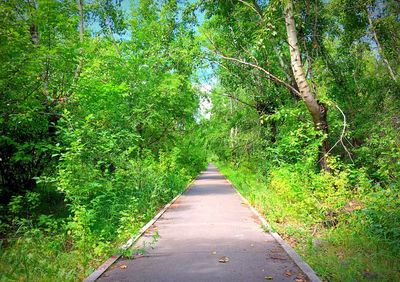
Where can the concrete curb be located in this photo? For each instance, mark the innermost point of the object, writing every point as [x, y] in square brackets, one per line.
[307, 270]
[102, 268]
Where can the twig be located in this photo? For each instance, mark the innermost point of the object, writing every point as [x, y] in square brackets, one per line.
[343, 131]
[226, 68]
[249, 53]
[239, 100]
[253, 8]
[348, 141]
[315, 229]
[340, 140]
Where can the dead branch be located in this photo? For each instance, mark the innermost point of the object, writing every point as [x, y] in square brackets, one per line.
[340, 140]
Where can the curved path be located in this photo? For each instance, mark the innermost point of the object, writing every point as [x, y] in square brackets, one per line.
[208, 234]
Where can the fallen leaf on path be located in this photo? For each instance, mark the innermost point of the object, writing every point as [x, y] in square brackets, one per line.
[299, 278]
[223, 259]
[268, 277]
[122, 266]
[288, 273]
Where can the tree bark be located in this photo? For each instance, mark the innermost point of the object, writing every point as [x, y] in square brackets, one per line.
[317, 110]
[380, 50]
[233, 133]
[34, 34]
[33, 29]
[81, 34]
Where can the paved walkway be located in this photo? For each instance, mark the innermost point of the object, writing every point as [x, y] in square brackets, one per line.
[207, 224]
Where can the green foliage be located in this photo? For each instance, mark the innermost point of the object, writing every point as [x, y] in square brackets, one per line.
[39, 257]
[100, 126]
[262, 136]
[97, 132]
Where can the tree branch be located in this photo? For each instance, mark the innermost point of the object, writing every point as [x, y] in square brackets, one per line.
[239, 100]
[254, 8]
[269, 74]
[340, 140]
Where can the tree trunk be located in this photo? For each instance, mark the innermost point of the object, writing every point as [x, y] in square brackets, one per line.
[380, 50]
[81, 34]
[34, 34]
[317, 110]
[233, 133]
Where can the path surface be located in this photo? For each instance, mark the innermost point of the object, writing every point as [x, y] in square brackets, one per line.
[206, 223]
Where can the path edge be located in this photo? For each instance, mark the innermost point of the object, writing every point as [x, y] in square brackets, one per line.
[305, 267]
[102, 268]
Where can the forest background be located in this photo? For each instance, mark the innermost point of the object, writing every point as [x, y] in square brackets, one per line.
[110, 108]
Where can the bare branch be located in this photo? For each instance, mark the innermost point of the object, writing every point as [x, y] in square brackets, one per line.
[269, 74]
[340, 140]
[343, 132]
[79, 67]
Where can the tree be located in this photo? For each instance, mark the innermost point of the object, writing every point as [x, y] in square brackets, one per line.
[317, 110]
[272, 62]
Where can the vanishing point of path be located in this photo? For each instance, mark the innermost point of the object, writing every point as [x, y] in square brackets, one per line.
[208, 223]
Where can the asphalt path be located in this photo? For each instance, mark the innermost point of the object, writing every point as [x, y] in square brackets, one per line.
[208, 234]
